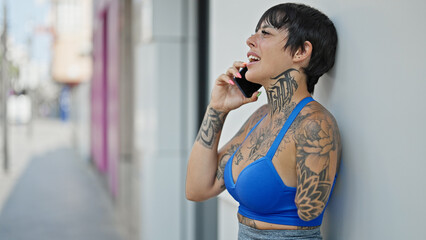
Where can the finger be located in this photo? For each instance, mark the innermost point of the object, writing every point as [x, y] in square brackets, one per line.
[224, 79]
[233, 72]
[239, 64]
[254, 97]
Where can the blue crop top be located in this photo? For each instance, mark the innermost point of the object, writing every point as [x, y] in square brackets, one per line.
[260, 190]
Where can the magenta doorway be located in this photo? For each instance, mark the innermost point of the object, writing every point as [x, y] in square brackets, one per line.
[104, 94]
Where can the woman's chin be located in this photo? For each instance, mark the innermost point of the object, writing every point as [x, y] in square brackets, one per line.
[253, 78]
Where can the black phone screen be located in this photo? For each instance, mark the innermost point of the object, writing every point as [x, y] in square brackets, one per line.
[246, 87]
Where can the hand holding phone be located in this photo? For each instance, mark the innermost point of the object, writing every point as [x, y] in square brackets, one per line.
[246, 87]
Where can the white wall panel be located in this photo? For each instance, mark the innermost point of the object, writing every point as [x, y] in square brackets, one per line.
[165, 117]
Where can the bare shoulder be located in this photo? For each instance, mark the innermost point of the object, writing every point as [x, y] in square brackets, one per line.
[318, 129]
[315, 121]
[315, 108]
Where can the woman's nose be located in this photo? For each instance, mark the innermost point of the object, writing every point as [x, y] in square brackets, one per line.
[251, 41]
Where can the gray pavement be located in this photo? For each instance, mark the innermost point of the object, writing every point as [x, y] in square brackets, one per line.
[58, 195]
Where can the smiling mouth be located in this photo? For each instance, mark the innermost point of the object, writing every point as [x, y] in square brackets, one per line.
[252, 58]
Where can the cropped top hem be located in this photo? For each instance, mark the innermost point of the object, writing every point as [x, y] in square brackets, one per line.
[281, 220]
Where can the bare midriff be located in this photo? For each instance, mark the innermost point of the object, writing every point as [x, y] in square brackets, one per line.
[269, 226]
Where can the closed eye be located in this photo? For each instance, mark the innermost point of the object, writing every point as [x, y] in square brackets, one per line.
[265, 32]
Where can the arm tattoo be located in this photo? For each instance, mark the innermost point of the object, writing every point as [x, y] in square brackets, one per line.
[223, 160]
[211, 126]
[220, 170]
[315, 139]
[283, 90]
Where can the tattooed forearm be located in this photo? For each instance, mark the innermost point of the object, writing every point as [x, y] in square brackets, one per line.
[315, 141]
[211, 126]
[281, 93]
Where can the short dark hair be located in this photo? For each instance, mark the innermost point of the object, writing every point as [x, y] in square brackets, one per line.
[304, 23]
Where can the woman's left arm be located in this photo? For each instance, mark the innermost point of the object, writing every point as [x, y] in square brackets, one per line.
[317, 155]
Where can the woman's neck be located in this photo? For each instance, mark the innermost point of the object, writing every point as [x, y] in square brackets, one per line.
[284, 91]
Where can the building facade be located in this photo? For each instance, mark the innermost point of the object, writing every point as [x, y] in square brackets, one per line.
[71, 60]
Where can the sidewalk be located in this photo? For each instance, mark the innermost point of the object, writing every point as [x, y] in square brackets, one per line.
[57, 196]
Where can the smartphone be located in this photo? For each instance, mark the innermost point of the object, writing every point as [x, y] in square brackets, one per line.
[246, 87]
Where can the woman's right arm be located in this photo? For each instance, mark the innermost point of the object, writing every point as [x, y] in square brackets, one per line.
[202, 181]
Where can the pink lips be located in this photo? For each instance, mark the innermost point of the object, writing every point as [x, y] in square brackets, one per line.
[254, 55]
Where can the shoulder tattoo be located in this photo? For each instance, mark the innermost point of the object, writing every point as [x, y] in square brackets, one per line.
[316, 138]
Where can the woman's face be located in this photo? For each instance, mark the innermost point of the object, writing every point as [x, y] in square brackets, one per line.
[267, 57]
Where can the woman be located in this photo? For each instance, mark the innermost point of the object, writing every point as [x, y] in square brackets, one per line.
[282, 163]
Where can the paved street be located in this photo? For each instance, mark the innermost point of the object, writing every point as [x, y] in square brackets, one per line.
[49, 193]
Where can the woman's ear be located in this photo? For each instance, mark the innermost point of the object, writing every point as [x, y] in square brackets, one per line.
[303, 54]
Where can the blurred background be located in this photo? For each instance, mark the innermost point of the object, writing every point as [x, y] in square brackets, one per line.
[101, 101]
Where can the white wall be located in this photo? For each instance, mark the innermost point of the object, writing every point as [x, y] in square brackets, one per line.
[165, 114]
[375, 91]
